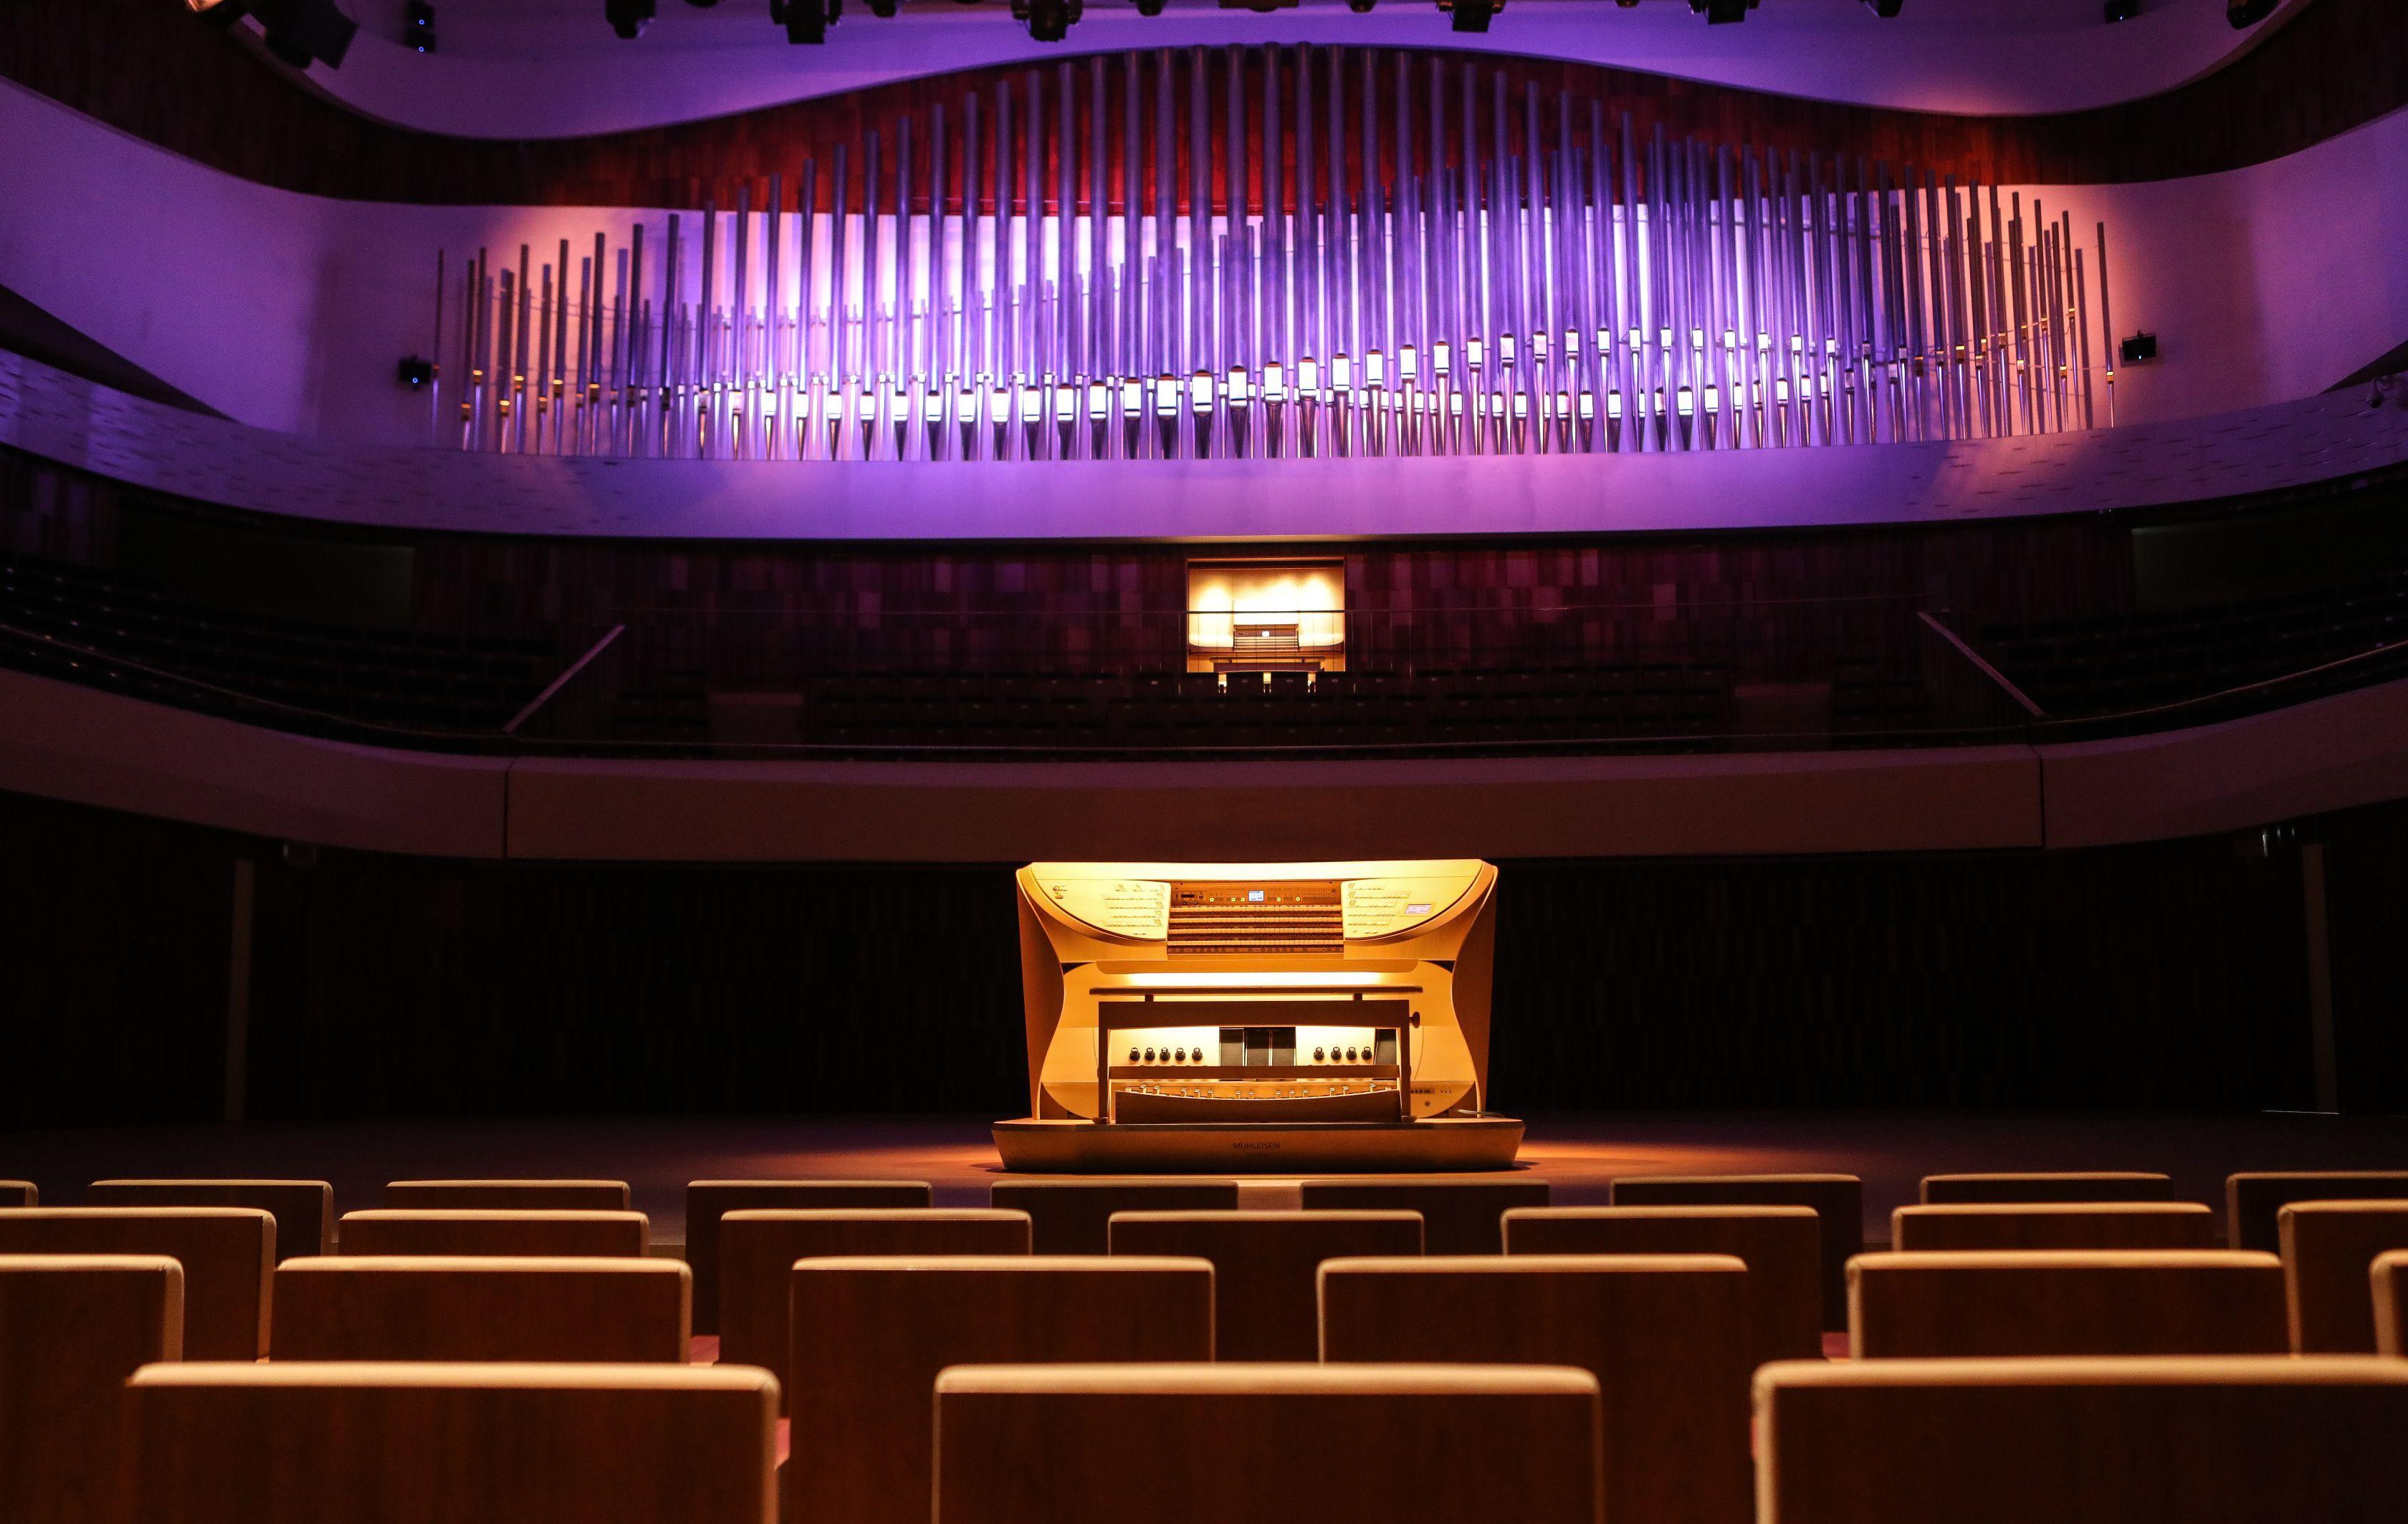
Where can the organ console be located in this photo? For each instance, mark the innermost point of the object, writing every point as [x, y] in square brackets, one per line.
[1257, 1016]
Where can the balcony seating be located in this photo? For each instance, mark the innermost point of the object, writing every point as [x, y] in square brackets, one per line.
[1668, 1336]
[1781, 1247]
[227, 1254]
[493, 1230]
[708, 1201]
[1461, 1213]
[303, 1442]
[2199, 1302]
[758, 1248]
[870, 1335]
[2329, 1254]
[1267, 1444]
[72, 1328]
[1265, 1267]
[2055, 1225]
[2087, 1441]
[304, 1210]
[481, 1307]
[1838, 1202]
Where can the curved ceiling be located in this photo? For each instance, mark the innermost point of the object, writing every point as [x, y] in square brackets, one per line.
[553, 69]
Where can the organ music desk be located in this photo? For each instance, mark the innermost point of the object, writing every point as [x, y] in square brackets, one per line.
[1260, 1018]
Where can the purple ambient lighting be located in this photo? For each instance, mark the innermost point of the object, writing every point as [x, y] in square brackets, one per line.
[1713, 298]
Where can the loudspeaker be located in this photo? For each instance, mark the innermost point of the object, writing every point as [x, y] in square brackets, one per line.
[2123, 11]
[2137, 350]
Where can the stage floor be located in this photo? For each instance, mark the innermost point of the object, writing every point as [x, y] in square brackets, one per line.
[1579, 1155]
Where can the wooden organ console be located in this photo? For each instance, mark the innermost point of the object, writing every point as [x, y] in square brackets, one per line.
[1257, 1017]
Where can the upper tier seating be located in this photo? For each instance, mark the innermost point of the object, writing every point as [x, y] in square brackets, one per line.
[72, 1328]
[303, 1443]
[1266, 1444]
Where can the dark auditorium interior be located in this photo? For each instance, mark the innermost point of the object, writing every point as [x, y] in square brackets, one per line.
[975, 761]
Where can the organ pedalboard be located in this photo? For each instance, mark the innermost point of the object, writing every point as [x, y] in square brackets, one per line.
[1240, 1002]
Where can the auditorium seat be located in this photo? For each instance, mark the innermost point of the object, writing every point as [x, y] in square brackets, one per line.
[1461, 1213]
[1074, 1214]
[2252, 1200]
[509, 1195]
[870, 1333]
[2065, 1302]
[19, 1193]
[304, 1210]
[2055, 1225]
[758, 1247]
[1265, 1267]
[1266, 1445]
[481, 1307]
[494, 1230]
[1838, 1201]
[2232, 1440]
[708, 1201]
[308, 1442]
[227, 1252]
[2086, 1186]
[72, 1328]
[1670, 1338]
[2329, 1254]
[2390, 1279]
[1781, 1247]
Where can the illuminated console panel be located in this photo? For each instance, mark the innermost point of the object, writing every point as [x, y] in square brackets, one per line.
[1263, 1015]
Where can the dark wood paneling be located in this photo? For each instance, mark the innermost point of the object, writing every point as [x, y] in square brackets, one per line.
[146, 67]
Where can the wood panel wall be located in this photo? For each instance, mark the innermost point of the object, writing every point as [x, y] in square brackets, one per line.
[146, 67]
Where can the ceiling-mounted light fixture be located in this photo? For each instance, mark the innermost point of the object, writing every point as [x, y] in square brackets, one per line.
[628, 18]
[1472, 15]
[1722, 12]
[2244, 14]
[1048, 20]
[1885, 9]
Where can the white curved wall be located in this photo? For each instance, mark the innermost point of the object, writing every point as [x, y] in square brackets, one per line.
[547, 68]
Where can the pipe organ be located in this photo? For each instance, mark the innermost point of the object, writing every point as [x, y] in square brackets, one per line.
[1330, 1015]
[1281, 253]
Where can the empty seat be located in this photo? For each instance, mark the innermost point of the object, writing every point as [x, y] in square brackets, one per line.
[72, 1328]
[492, 1230]
[2055, 1225]
[1461, 1213]
[1074, 1214]
[708, 1201]
[2088, 1186]
[19, 1193]
[509, 1195]
[2390, 1279]
[481, 1307]
[758, 1247]
[303, 1442]
[2252, 1200]
[2329, 1254]
[1838, 1202]
[227, 1253]
[1266, 1444]
[872, 1333]
[304, 1210]
[1267, 1267]
[2236, 1440]
[1668, 1336]
[2066, 1302]
[1781, 1246]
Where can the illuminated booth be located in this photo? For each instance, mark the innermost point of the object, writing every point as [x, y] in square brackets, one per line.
[1257, 1016]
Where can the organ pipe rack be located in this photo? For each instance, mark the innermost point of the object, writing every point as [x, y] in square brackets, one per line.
[1374, 253]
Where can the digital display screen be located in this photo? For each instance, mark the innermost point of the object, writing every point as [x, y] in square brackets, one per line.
[1253, 894]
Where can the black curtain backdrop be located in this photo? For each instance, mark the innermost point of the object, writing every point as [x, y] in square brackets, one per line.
[2164, 977]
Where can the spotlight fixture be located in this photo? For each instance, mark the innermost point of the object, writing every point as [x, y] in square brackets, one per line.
[216, 12]
[1149, 8]
[628, 18]
[298, 32]
[1361, 8]
[1885, 9]
[702, 4]
[418, 25]
[884, 9]
[2123, 11]
[2244, 14]
[413, 373]
[806, 20]
[1048, 20]
[1721, 12]
[1472, 15]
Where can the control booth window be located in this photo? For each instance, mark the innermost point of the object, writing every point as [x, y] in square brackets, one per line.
[1267, 617]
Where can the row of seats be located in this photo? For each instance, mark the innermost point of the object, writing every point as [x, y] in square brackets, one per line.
[1653, 1347]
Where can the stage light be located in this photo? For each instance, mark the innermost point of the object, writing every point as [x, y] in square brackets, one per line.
[806, 20]
[303, 32]
[418, 25]
[1149, 8]
[2244, 14]
[628, 18]
[2123, 11]
[884, 9]
[216, 12]
[1722, 12]
[1048, 20]
[1885, 9]
[1472, 15]
[413, 373]
[1361, 8]
[702, 4]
